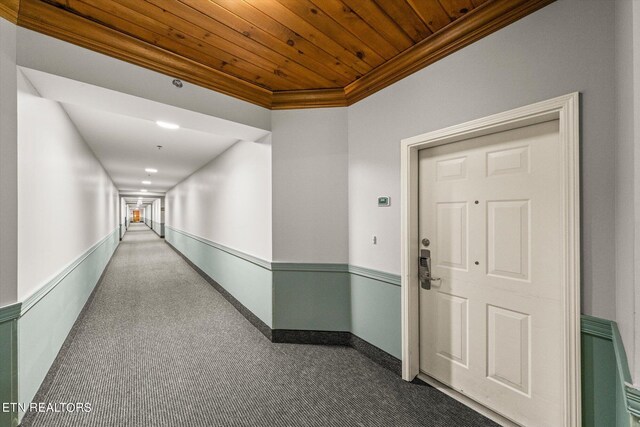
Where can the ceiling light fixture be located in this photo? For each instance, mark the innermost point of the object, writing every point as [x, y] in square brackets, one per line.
[146, 182]
[143, 190]
[167, 125]
[151, 170]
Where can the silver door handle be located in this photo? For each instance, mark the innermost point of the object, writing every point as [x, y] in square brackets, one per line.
[424, 270]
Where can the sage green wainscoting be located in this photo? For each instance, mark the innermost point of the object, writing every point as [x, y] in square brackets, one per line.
[607, 397]
[298, 296]
[598, 374]
[9, 361]
[48, 315]
[245, 277]
[375, 311]
[33, 331]
[311, 297]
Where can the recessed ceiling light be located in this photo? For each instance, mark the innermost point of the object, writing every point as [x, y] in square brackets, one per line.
[151, 170]
[146, 182]
[167, 125]
[143, 190]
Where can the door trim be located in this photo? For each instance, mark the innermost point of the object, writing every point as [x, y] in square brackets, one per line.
[565, 109]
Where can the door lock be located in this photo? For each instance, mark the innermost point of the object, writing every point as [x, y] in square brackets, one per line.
[424, 270]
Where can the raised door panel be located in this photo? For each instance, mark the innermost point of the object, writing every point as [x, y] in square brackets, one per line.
[451, 235]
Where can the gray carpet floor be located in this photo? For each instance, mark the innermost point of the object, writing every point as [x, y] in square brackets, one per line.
[158, 346]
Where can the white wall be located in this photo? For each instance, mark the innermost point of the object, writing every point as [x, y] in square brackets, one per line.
[310, 186]
[54, 56]
[67, 201]
[8, 165]
[158, 215]
[627, 173]
[624, 168]
[228, 201]
[562, 48]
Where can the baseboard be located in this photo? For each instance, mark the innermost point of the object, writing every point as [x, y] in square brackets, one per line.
[378, 355]
[161, 235]
[299, 336]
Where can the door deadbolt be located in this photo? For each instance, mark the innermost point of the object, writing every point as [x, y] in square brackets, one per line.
[424, 269]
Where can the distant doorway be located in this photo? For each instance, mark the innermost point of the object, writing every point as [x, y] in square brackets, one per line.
[136, 216]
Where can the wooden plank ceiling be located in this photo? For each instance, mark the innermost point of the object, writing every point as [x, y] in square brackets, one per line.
[274, 53]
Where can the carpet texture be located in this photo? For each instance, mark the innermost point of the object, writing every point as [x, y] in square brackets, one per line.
[158, 346]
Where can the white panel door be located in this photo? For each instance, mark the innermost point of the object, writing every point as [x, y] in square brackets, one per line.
[491, 328]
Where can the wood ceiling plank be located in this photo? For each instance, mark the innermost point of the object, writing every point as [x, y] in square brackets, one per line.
[297, 48]
[431, 13]
[115, 17]
[477, 3]
[9, 10]
[406, 17]
[456, 8]
[217, 34]
[55, 22]
[351, 22]
[184, 32]
[369, 11]
[174, 27]
[290, 20]
[479, 23]
[373, 53]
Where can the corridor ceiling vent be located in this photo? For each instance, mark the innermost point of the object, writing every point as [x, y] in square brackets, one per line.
[167, 125]
[276, 54]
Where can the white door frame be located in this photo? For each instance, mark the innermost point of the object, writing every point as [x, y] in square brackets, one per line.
[566, 110]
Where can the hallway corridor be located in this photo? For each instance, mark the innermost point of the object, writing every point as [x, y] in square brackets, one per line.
[158, 346]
